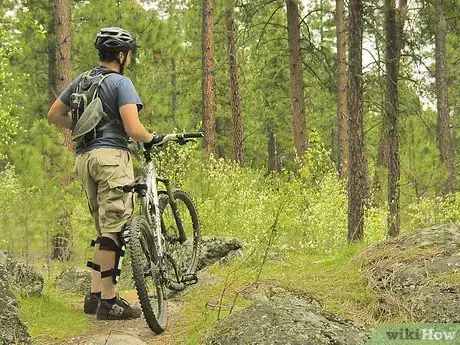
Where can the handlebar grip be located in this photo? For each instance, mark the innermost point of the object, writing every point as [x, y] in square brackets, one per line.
[193, 135]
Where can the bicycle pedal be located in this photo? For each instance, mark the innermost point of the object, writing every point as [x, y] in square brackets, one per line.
[189, 279]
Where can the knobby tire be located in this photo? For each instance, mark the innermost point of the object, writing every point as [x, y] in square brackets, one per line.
[144, 254]
[191, 223]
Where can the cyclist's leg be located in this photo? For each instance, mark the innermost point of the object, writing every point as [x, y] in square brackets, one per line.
[112, 169]
[90, 187]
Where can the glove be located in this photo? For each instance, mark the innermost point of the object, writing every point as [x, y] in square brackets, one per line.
[157, 138]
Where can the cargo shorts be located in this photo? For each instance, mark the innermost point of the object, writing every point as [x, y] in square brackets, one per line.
[102, 171]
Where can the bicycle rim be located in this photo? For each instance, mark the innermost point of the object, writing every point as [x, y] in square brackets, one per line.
[184, 255]
[149, 286]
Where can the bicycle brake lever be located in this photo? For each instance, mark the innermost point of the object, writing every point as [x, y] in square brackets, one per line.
[181, 141]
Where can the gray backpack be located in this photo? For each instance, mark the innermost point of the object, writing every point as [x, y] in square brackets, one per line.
[86, 106]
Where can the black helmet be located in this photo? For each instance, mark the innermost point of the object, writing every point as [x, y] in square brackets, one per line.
[114, 39]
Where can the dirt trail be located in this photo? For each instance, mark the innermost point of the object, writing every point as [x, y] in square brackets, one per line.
[138, 328]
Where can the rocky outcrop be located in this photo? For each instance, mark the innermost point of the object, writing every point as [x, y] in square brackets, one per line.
[215, 249]
[23, 279]
[286, 319]
[416, 275]
[74, 280]
[12, 330]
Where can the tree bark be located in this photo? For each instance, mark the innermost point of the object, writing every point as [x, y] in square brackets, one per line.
[342, 114]
[208, 81]
[357, 178]
[394, 24]
[237, 118]
[297, 85]
[62, 241]
[51, 40]
[445, 126]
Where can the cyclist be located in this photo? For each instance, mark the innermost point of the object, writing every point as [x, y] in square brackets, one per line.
[103, 163]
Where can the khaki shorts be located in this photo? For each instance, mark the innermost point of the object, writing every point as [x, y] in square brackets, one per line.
[101, 171]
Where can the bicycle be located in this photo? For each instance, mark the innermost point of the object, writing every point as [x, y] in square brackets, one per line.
[158, 240]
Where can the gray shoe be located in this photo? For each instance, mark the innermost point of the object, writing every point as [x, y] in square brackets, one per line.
[120, 310]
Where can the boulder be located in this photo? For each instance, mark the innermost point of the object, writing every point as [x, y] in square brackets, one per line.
[23, 279]
[416, 275]
[115, 340]
[74, 280]
[78, 280]
[286, 319]
[12, 330]
[214, 249]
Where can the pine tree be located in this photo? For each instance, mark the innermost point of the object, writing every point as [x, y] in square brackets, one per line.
[357, 180]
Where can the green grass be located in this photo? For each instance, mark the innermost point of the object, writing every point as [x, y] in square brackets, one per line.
[333, 279]
[54, 316]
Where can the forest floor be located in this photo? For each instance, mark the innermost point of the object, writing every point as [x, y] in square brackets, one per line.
[136, 328]
[221, 289]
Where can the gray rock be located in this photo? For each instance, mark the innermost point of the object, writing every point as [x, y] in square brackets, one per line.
[74, 279]
[407, 274]
[286, 320]
[23, 279]
[232, 255]
[116, 340]
[12, 330]
[215, 248]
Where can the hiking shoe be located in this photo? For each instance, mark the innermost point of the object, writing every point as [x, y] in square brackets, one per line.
[91, 303]
[120, 310]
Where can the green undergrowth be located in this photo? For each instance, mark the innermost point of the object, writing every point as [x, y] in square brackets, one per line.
[333, 279]
[54, 316]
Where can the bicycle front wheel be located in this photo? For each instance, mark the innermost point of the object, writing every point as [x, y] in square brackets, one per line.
[147, 274]
[184, 254]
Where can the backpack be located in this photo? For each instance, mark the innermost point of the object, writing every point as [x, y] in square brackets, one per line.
[86, 106]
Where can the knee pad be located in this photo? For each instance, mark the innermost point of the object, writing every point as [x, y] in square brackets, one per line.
[91, 264]
[108, 244]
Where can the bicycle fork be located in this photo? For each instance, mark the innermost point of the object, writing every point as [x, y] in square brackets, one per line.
[175, 209]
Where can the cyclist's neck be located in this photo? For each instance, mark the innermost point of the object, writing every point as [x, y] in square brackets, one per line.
[114, 66]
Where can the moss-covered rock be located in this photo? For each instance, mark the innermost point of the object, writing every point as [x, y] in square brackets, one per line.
[23, 279]
[12, 330]
[286, 320]
[416, 275]
[74, 279]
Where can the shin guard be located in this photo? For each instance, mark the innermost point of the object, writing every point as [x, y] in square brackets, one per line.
[109, 244]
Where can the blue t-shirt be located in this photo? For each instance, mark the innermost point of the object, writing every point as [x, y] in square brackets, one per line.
[115, 91]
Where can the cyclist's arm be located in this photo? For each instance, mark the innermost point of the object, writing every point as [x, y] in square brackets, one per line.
[133, 126]
[59, 114]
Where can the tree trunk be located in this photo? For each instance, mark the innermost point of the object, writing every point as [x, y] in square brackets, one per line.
[394, 25]
[208, 82]
[357, 178]
[445, 126]
[274, 163]
[297, 97]
[64, 67]
[62, 242]
[342, 114]
[237, 118]
[51, 40]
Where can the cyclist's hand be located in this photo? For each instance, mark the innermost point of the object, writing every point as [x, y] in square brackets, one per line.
[157, 138]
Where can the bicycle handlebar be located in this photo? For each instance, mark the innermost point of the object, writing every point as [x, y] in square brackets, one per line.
[181, 138]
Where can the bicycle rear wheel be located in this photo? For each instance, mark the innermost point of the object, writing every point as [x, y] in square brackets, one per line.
[184, 255]
[146, 274]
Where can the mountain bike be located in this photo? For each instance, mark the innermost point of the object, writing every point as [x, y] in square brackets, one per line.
[163, 238]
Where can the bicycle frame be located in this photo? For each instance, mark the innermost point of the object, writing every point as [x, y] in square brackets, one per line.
[152, 193]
